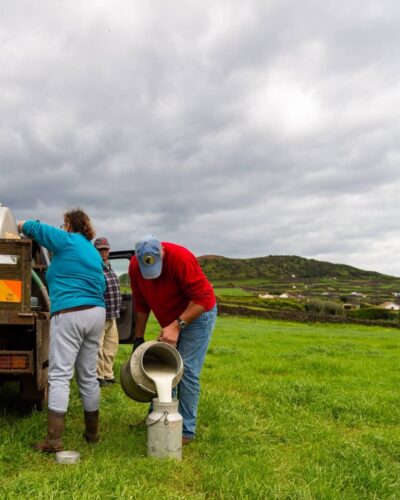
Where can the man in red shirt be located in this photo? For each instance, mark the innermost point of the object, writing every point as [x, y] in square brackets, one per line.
[167, 280]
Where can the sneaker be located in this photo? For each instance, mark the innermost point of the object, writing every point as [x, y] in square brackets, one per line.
[102, 382]
[110, 381]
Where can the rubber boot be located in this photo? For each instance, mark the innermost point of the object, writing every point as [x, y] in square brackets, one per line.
[55, 428]
[91, 433]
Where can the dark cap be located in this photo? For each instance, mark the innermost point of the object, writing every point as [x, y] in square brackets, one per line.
[100, 243]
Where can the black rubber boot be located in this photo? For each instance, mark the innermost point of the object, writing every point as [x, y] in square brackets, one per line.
[91, 433]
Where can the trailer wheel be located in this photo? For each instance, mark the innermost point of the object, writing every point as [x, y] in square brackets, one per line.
[30, 397]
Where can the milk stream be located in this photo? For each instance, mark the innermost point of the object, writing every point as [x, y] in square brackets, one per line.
[162, 376]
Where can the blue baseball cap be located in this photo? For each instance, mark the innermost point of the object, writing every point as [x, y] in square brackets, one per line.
[149, 256]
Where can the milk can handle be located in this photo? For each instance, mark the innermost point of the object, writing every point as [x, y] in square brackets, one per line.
[166, 421]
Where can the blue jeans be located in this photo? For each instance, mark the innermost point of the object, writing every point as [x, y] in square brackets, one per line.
[192, 346]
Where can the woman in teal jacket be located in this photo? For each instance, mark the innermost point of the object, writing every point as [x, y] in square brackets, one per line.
[76, 287]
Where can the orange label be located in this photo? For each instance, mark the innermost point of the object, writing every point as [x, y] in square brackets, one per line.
[10, 291]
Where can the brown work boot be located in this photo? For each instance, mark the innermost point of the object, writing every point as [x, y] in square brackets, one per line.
[91, 433]
[55, 428]
[186, 440]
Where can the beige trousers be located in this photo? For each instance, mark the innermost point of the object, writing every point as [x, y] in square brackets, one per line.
[107, 350]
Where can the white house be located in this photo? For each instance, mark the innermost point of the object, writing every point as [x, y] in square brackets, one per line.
[390, 305]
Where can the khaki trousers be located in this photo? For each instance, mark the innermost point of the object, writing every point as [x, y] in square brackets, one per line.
[107, 350]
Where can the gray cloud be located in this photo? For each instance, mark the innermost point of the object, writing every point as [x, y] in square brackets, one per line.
[235, 128]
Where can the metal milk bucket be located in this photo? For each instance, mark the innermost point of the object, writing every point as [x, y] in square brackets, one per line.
[134, 378]
[164, 430]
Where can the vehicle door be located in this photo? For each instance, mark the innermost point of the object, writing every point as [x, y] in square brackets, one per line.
[125, 323]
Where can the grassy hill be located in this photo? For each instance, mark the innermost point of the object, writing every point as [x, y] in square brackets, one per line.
[241, 281]
[311, 290]
[280, 266]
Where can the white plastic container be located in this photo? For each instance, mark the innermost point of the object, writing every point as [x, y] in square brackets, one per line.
[67, 457]
[8, 224]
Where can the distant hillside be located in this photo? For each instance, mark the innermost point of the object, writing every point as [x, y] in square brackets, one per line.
[280, 267]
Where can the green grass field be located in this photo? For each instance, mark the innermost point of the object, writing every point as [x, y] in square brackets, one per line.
[288, 411]
[232, 292]
[375, 291]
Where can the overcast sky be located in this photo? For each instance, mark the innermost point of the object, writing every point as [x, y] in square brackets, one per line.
[237, 128]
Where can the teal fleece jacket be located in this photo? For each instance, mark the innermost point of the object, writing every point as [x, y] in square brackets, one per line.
[75, 276]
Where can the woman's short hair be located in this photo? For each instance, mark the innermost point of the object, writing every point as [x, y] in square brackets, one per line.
[79, 222]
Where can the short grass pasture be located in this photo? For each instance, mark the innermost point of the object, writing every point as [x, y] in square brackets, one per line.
[287, 411]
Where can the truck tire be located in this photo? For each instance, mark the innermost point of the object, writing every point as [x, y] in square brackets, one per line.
[30, 397]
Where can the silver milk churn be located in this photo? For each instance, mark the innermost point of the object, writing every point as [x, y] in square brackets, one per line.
[164, 430]
[135, 377]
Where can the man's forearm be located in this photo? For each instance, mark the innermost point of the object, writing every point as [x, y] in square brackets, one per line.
[192, 312]
[170, 333]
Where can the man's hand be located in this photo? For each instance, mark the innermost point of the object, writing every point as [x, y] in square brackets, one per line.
[137, 341]
[170, 334]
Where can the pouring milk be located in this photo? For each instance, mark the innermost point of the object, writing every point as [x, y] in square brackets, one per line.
[162, 376]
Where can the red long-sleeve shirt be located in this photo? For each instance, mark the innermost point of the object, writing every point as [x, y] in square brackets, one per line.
[181, 281]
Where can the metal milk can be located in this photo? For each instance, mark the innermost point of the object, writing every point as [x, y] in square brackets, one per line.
[135, 380]
[164, 430]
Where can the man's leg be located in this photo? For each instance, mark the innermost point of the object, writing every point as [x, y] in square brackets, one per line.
[110, 348]
[192, 346]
